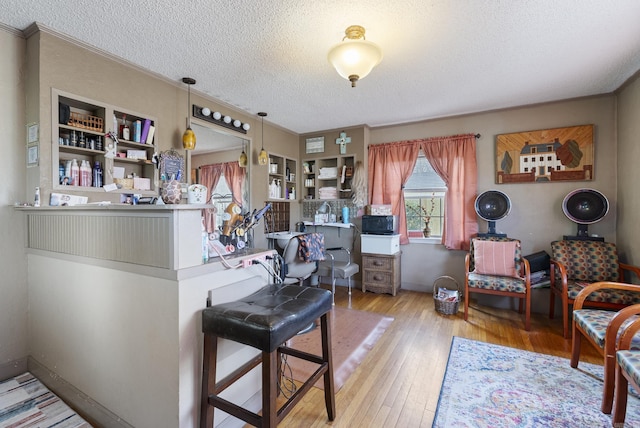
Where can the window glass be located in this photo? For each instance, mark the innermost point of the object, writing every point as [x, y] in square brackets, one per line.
[424, 195]
[221, 197]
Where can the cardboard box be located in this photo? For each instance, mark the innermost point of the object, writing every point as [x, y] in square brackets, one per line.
[378, 210]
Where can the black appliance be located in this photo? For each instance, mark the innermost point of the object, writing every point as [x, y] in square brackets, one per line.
[585, 207]
[492, 205]
[379, 225]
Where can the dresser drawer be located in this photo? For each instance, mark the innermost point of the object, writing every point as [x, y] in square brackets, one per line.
[381, 273]
[378, 278]
[377, 262]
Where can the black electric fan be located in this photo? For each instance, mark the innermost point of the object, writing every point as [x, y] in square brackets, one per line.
[584, 207]
[492, 205]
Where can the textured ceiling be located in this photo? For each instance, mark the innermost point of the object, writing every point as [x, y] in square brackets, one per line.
[441, 57]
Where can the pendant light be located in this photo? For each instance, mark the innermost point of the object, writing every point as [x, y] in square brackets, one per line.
[354, 58]
[263, 157]
[189, 137]
[242, 161]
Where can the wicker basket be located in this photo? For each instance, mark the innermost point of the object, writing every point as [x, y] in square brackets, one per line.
[86, 121]
[445, 306]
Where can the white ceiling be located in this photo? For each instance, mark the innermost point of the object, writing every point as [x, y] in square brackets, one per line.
[441, 57]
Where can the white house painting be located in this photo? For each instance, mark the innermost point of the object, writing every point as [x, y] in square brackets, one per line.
[560, 154]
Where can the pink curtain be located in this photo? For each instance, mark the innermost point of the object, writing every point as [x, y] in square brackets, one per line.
[454, 159]
[390, 166]
[209, 177]
[234, 175]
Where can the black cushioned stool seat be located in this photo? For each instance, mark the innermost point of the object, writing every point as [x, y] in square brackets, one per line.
[266, 320]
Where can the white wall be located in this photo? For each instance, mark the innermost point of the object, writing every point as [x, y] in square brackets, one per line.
[628, 172]
[13, 285]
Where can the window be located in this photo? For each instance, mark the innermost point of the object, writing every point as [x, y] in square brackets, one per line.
[424, 196]
[221, 197]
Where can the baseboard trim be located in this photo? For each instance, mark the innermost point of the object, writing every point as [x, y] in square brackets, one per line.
[92, 411]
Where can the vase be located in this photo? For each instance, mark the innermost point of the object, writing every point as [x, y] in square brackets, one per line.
[171, 192]
[426, 232]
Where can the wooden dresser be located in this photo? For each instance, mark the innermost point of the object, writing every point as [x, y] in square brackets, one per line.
[381, 273]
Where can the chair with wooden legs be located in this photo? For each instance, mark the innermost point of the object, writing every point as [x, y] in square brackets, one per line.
[266, 320]
[627, 372]
[494, 265]
[601, 327]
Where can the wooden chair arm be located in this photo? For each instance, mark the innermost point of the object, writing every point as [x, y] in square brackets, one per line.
[467, 263]
[611, 338]
[630, 268]
[586, 291]
[527, 275]
[627, 334]
[562, 271]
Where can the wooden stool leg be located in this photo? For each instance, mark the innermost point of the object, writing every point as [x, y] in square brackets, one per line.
[329, 392]
[269, 389]
[209, 361]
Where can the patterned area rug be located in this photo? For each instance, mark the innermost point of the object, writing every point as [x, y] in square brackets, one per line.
[494, 386]
[26, 402]
[353, 335]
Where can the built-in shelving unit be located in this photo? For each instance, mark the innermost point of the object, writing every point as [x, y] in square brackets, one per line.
[282, 184]
[80, 131]
[328, 178]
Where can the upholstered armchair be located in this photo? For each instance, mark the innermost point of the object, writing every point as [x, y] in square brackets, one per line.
[575, 264]
[627, 371]
[601, 327]
[494, 265]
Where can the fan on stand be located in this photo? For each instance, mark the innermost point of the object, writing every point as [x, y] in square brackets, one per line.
[492, 205]
[584, 207]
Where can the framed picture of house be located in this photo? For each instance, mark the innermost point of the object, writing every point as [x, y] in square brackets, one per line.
[559, 154]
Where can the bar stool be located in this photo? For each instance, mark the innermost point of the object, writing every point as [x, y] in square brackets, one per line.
[265, 320]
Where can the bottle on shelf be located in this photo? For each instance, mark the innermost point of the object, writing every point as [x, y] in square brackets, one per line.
[36, 199]
[124, 129]
[85, 174]
[67, 172]
[74, 139]
[75, 173]
[82, 142]
[97, 175]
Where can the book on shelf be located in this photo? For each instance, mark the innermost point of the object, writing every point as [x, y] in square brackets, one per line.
[152, 130]
[137, 130]
[145, 130]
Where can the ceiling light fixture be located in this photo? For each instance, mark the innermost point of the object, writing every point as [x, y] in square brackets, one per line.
[242, 161]
[354, 58]
[189, 137]
[263, 157]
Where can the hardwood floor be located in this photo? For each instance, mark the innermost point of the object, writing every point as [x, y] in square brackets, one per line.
[398, 383]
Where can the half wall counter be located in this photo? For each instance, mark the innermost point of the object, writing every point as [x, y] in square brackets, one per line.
[115, 300]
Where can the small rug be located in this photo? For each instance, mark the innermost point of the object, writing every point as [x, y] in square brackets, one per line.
[494, 386]
[26, 402]
[353, 334]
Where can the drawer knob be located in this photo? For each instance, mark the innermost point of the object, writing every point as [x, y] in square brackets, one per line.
[377, 263]
[377, 278]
